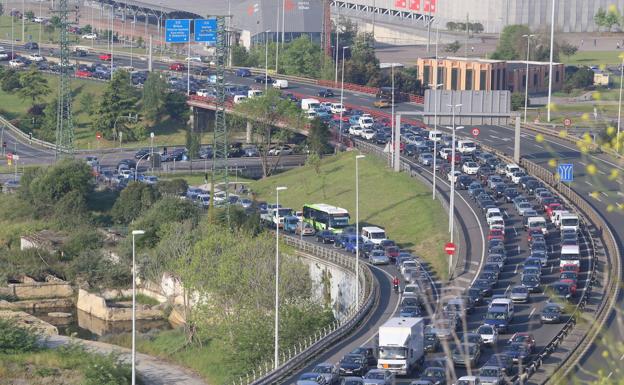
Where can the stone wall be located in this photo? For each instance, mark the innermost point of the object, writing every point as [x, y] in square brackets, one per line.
[96, 306]
[28, 321]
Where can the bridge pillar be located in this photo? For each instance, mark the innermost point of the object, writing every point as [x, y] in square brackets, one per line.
[517, 141]
[192, 118]
[248, 132]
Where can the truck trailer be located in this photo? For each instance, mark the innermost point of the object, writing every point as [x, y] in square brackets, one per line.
[401, 345]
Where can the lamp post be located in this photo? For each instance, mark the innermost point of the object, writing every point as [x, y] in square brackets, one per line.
[40, 27]
[452, 199]
[266, 59]
[134, 234]
[550, 64]
[617, 137]
[336, 49]
[357, 230]
[136, 168]
[435, 127]
[341, 96]
[526, 81]
[276, 353]
[23, 21]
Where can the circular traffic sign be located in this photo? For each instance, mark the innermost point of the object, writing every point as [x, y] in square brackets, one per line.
[98, 135]
[475, 132]
[567, 122]
[449, 248]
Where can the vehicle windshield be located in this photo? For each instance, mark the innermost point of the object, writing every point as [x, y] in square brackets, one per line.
[516, 347]
[495, 315]
[552, 309]
[410, 289]
[374, 376]
[485, 330]
[378, 235]
[352, 360]
[352, 382]
[530, 279]
[308, 376]
[434, 373]
[519, 290]
[284, 212]
[339, 222]
[392, 352]
[569, 222]
[322, 369]
[488, 372]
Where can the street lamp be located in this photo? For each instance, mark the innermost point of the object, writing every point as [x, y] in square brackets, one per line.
[136, 168]
[452, 199]
[341, 97]
[617, 137]
[526, 81]
[550, 64]
[435, 126]
[276, 353]
[134, 234]
[266, 59]
[357, 230]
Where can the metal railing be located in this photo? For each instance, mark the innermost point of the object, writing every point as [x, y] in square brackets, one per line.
[293, 357]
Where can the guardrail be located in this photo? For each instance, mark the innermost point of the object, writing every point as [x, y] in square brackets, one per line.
[16, 131]
[293, 357]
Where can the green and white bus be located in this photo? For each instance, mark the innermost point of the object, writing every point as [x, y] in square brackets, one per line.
[326, 217]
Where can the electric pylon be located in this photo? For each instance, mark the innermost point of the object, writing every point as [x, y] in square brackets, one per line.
[64, 119]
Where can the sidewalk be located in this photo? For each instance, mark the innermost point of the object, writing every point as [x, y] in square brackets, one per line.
[151, 369]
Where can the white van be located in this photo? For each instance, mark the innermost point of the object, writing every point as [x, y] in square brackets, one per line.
[239, 99]
[535, 222]
[280, 84]
[309, 104]
[569, 221]
[337, 108]
[373, 234]
[506, 303]
[366, 121]
[570, 254]
[311, 114]
[466, 146]
[436, 136]
[511, 168]
[254, 93]
[555, 214]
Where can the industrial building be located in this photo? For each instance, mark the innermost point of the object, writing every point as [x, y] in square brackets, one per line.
[462, 74]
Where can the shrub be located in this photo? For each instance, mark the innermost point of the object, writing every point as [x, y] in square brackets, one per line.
[15, 339]
[107, 370]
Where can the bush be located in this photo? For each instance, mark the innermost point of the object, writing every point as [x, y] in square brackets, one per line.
[517, 101]
[133, 201]
[175, 187]
[94, 269]
[15, 339]
[107, 370]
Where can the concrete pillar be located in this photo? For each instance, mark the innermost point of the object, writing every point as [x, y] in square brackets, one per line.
[192, 119]
[397, 144]
[248, 132]
[517, 141]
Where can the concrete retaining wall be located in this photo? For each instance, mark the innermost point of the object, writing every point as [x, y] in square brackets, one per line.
[96, 306]
[40, 290]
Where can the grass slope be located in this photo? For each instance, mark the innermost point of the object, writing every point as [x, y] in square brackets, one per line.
[395, 202]
[596, 58]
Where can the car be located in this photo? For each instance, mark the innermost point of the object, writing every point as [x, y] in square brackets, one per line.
[496, 234]
[242, 72]
[474, 295]
[410, 311]
[571, 276]
[436, 375]
[263, 79]
[492, 375]
[105, 57]
[83, 74]
[328, 372]
[325, 236]
[317, 378]
[31, 45]
[488, 334]
[35, 57]
[16, 63]
[280, 150]
[570, 267]
[378, 257]
[425, 159]
[89, 36]
[523, 207]
[519, 294]
[503, 361]
[453, 178]
[510, 194]
[472, 338]
[421, 382]
[551, 314]
[484, 286]
[468, 380]
[470, 168]
[561, 290]
[525, 338]
[353, 365]
[531, 282]
[304, 229]
[519, 352]
[379, 377]
[383, 103]
[392, 252]
[498, 318]
[326, 93]
[431, 342]
[368, 353]
[466, 354]
[352, 381]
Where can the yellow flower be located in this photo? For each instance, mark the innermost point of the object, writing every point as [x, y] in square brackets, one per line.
[552, 163]
[563, 133]
[591, 169]
[585, 116]
[610, 130]
[539, 138]
[597, 95]
[614, 174]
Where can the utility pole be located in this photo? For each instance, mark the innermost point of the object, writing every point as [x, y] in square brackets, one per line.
[64, 119]
[467, 35]
[429, 29]
[550, 65]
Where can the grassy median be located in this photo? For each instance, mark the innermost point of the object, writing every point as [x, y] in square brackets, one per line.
[396, 202]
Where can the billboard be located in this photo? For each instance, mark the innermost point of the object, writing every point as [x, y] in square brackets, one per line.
[206, 30]
[177, 31]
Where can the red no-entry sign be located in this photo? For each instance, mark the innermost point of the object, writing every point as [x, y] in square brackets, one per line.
[98, 135]
[567, 122]
[475, 132]
[449, 248]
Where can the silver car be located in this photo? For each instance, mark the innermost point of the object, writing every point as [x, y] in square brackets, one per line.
[491, 375]
[378, 257]
[328, 371]
[519, 294]
[379, 377]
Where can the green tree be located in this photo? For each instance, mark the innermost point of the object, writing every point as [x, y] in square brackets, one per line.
[600, 17]
[87, 103]
[517, 101]
[1, 9]
[582, 78]
[301, 57]
[140, 42]
[240, 57]
[568, 49]
[174, 187]
[49, 29]
[318, 137]
[29, 15]
[119, 99]
[86, 29]
[154, 95]
[34, 86]
[453, 47]
[15, 339]
[133, 201]
[175, 106]
[512, 46]
[348, 33]
[451, 26]
[363, 65]
[167, 209]
[476, 27]
[10, 80]
[193, 142]
[55, 21]
[48, 121]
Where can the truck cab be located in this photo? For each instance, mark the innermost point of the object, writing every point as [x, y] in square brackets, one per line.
[401, 347]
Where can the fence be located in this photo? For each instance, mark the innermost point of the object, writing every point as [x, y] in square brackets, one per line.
[294, 356]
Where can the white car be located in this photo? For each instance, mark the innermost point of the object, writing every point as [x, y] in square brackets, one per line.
[35, 57]
[355, 130]
[488, 333]
[4, 55]
[445, 153]
[90, 36]
[38, 19]
[337, 108]
[16, 63]
[470, 168]
[515, 178]
[366, 121]
[193, 58]
[203, 92]
[283, 150]
[452, 178]
[368, 133]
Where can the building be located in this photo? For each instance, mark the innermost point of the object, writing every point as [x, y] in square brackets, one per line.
[461, 74]
[494, 15]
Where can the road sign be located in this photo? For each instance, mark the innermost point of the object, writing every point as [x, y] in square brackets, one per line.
[566, 172]
[475, 132]
[449, 248]
[9, 155]
[177, 31]
[567, 122]
[206, 30]
[98, 135]
[15, 157]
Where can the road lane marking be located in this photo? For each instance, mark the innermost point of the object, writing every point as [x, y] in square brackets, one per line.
[604, 193]
[588, 182]
[508, 287]
[531, 313]
[516, 270]
[583, 163]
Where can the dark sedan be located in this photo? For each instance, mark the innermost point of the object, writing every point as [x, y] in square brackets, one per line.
[325, 236]
[326, 93]
[353, 365]
[263, 79]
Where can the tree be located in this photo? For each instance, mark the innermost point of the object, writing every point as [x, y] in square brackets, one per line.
[240, 57]
[119, 99]
[452, 47]
[451, 26]
[133, 201]
[318, 137]
[10, 80]
[87, 102]
[174, 187]
[266, 112]
[476, 27]
[363, 66]
[600, 17]
[175, 106]
[29, 15]
[607, 18]
[87, 29]
[348, 33]
[580, 79]
[568, 49]
[301, 58]
[517, 101]
[55, 21]
[48, 121]
[140, 42]
[154, 95]
[1, 9]
[34, 86]
[193, 142]
[512, 46]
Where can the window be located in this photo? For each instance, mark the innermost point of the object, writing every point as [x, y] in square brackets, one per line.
[440, 79]
[535, 80]
[469, 76]
[499, 81]
[454, 78]
[504, 79]
[524, 80]
[493, 80]
[426, 75]
[482, 80]
[557, 76]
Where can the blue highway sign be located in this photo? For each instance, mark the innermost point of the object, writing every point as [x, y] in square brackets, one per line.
[177, 31]
[206, 30]
[566, 172]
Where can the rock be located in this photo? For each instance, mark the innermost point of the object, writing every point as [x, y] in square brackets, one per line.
[26, 320]
[59, 314]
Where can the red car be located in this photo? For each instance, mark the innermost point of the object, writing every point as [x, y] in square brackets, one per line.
[568, 276]
[392, 252]
[177, 67]
[571, 267]
[524, 338]
[572, 284]
[105, 57]
[83, 74]
[549, 208]
[533, 232]
[496, 234]
[345, 117]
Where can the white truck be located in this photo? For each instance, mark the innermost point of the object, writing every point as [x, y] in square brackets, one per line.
[274, 217]
[310, 104]
[401, 345]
